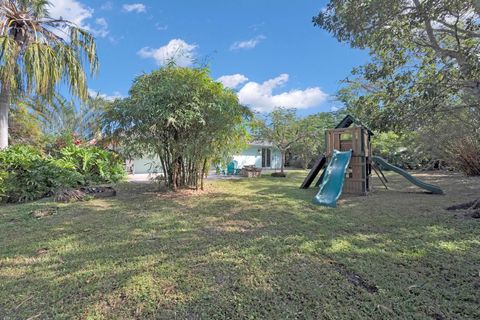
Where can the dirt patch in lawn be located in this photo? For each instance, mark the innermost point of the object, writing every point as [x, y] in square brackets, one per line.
[469, 209]
[44, 212]
[187, 192]
[352, 277]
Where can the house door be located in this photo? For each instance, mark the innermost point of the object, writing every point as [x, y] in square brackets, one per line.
[266, 158]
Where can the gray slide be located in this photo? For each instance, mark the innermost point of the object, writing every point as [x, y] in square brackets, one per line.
[419, 183]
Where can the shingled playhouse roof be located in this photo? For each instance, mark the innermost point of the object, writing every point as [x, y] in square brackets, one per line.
[349, 120]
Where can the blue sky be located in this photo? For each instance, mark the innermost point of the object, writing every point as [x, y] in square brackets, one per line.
[268, 51]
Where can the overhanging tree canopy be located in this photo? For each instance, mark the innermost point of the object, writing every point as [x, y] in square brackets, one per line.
[37, 52]
[424, 75]
[425, 57]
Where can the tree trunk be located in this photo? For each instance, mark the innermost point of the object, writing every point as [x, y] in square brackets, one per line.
[4, 108]
[174, 177]
[282, 166]
[305, 163]
[204, 168]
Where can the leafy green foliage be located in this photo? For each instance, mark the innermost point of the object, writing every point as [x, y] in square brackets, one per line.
[424, 69]
[304, 137]
[25, 127]
[35, 59]
[182, 116]
[27, 174]
[399, 150]
[312, 144]
[93, 163]
[59, 116]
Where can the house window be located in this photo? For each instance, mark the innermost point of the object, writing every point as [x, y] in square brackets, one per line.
[266, 158]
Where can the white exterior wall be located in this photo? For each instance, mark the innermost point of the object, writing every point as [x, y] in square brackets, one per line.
[142, 165]
[252, 156]
[248, 157]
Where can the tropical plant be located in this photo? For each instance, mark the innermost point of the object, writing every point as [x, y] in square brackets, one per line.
[182, 116]
[59, 116]
[37, 52]
[27, 174]
[96, 165]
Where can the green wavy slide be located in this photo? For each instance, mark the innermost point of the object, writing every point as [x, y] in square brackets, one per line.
[419, 183]
[333, 178]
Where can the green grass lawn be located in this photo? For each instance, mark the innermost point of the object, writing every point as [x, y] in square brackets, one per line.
[255, 249]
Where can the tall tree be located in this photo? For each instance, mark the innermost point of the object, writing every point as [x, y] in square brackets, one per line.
[424, 74]
[37, 52]
[312, 142]
[181, 116]
[425, 57]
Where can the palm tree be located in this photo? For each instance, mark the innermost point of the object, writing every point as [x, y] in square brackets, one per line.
[57, 116]
[37, 52]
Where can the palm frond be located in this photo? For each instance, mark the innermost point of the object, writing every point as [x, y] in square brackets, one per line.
[58, 115]
[38, 52]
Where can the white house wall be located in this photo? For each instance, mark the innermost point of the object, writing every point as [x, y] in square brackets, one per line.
[144, 165]
[252, 156]
[248, 157]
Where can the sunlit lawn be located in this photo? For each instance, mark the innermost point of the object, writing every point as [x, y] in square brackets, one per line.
[254, 249]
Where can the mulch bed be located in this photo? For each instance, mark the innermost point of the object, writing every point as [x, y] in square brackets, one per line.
[84, 193]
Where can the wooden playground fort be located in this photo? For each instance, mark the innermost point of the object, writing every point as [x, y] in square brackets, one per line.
[348, 163]
[357, 139]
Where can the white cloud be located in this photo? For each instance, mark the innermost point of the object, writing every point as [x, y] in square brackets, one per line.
[115, 40]
[161, 27]
[177, 50]
[70, 10]
[80, 14]
[260, 97]
[232, 81]
[95, 93]
[256, 26]
[135, 7]
[335, 109]
[102, 28]
[247, 44]
[107, 6]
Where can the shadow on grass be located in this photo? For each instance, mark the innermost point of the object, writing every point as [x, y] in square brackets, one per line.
[254, 249]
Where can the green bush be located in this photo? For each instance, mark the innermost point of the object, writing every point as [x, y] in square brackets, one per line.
[26, 174]
[399, 150]
[95, 164]
[3, 188]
